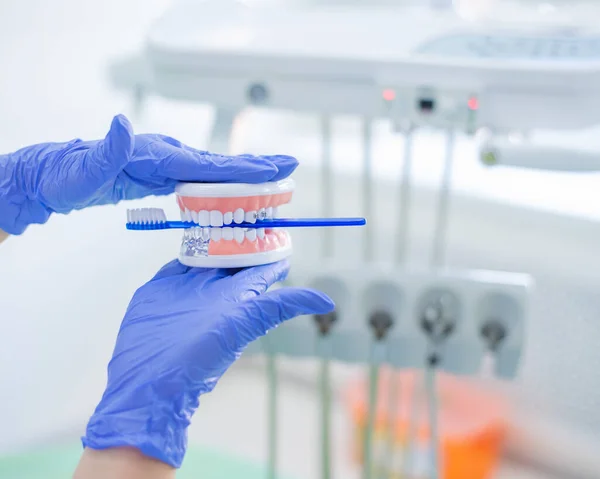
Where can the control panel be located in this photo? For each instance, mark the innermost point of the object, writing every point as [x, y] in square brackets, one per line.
[509, 47]
[432, 107]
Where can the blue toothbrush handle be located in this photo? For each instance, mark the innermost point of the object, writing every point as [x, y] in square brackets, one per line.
[305, 222]
[274, 223]
[164, 225]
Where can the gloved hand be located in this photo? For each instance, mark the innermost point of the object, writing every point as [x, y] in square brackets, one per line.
[60, 177]
[181, 332]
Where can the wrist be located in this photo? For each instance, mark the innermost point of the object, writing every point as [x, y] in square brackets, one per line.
[157, 427]
[121, 463]
[18, 208]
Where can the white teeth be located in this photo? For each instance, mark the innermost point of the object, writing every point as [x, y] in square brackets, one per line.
[269, 212]
[187, 215]
[182, 212]
[227, 218]
[251, 234]
[227, 233]
[275, 212]
[238, 234]
[215, 234]
[238, 216]
[206, 234]
[193, 216]
[250, 217]
[261, 233]
[262, 214]
[203, 218]
[216, 218]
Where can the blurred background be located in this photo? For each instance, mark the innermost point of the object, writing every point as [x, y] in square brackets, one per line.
[65, 286]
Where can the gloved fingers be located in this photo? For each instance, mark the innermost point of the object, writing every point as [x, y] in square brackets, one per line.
[175, 142]
[214, 168]
[262, 313]
[111, 155]
[182, 163]
[251, 282]
[285, 165]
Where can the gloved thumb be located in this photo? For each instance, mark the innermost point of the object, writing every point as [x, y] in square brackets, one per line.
[268, 310]
[112, 153]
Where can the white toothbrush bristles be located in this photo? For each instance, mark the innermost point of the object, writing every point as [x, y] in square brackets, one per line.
[146, 216]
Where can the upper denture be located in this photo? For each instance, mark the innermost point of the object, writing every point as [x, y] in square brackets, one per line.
[224, 205]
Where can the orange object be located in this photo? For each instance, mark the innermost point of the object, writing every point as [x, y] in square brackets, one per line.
[472, 427]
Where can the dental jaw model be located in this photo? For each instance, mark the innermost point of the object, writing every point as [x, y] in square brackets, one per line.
[232, 225]
[216, 209]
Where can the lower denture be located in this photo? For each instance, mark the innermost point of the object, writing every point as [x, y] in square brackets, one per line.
[274, 239]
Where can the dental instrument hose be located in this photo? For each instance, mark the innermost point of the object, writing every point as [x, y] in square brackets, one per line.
[368, 187]
[325, 323]
[432, 408]
[393, 400]
[493, 332]
[401, 250]
[373, 374]
[326, 186]
[380, 323]
[272, 403]
[371, 413]
[438, 261]
[405, 199]
[441, 225]
[325, 388]
[408, 449]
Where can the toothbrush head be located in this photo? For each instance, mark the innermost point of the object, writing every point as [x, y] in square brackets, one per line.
[146, 219]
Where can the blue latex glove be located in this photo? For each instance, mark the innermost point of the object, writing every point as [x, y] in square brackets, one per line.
[39, 180]
[181, 332]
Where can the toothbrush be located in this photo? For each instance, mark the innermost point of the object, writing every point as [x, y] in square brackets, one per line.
[144, 219]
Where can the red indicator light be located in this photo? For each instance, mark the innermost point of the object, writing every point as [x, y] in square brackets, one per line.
[473, 103]
[389, 94]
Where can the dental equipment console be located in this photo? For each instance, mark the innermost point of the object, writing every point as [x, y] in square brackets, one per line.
[420, 67]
